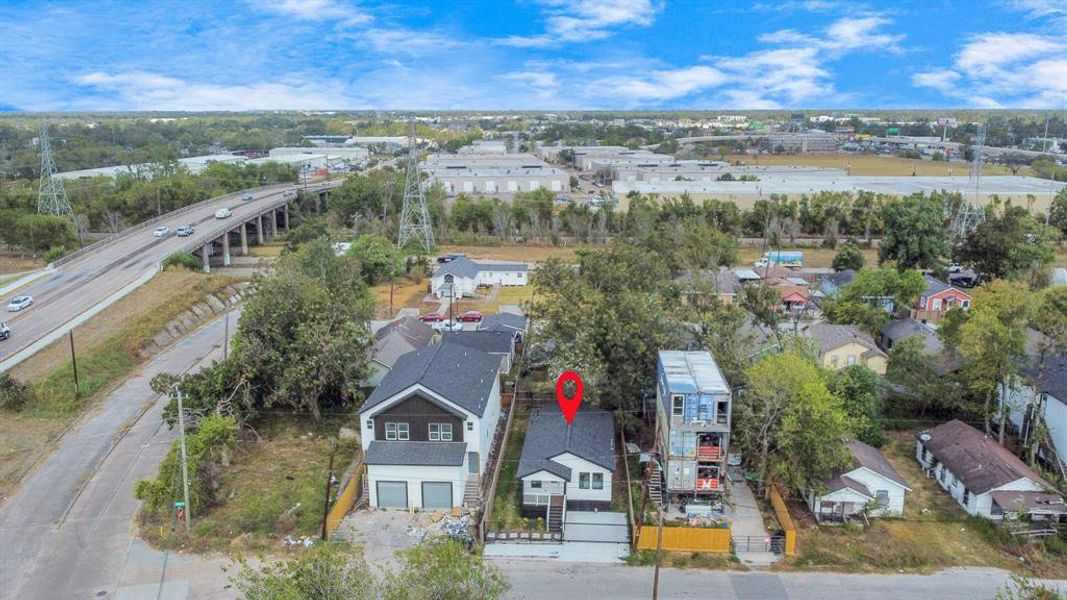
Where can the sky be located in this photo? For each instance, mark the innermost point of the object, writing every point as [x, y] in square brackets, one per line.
[79, 55]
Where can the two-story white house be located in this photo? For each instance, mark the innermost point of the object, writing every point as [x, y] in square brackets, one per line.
[869, 482]
[1041, 398]
[429, 426]
[693, 403]
[985, 478]
[462, 276]
[566, 464]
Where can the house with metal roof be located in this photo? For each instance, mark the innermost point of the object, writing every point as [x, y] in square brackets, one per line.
[937, 299]
[567, 464]
[869, 486]
[462, 277]
[693, 403]
[985, 478]
[394, 340]
[429, 426]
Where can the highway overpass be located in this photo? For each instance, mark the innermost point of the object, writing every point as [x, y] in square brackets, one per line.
[79, 285]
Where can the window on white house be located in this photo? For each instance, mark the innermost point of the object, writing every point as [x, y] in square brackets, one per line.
[851, 359]
[882, 497]
[833, 360]
[583, 481]
[470, 425]
[440, 432]
[370, 423]
[535, 485]
[598, 481]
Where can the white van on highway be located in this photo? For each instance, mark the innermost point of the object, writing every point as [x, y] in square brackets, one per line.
[222, 213]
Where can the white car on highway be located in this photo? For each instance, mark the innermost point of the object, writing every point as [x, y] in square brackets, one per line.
[5, 331]
[19, 303]
[160, 231]
[247, 197]
[222, 213]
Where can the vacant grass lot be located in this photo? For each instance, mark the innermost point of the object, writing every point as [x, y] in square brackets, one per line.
[813, 257]
[107, 348]
[934, 534]
[869, 164]
[406, 294]
[10, 263]
[271, 249]
[507, 503]
[273, 487]
[516, 252]
[490, 304]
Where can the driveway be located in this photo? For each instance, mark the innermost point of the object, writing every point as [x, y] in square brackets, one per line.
[591, 537]
[746, 526]
[384, 532]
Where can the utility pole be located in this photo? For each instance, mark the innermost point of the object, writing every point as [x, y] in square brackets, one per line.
[226, 337]
[185, 461]
[329, 484]
[659, 554]
[74, 363]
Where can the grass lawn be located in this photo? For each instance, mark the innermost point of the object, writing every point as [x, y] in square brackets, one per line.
[507, 503]
[272, 249]
[10, 263]
[813, 257]
[107, 346]
[934, 534]
[869, 164]
[516, 252]
[686, 560]
[406, 294]
[274, 487]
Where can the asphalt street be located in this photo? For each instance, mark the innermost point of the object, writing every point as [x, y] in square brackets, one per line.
[68, 531]
[87, 280]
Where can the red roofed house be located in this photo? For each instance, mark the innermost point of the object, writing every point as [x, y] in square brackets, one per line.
[937, 298]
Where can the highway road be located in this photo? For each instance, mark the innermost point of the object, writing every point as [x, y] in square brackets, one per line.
[120, 263]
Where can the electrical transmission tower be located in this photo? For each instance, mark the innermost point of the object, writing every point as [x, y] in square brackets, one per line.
[51, 197]
[415, 217]
[970, 214]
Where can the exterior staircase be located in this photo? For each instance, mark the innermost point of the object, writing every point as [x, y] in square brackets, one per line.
[655, 484]
[472, 494]
[555, 514]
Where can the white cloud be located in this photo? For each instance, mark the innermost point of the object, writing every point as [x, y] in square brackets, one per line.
[845, 34]
[1004, 69]
[316, 10]
[586, 20]
[664, 84]
[405, 41]
[1055, 10]
[139, 90]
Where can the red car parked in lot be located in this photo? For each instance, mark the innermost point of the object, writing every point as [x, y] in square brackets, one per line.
[471, 316]
[432, 318]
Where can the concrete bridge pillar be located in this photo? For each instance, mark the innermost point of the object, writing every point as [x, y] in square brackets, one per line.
[244, 239]
[226, 249]
[205, 252]
[273, 222]
[259, 229]
[285, 215]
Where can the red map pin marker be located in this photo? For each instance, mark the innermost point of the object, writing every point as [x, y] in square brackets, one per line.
[569, 406]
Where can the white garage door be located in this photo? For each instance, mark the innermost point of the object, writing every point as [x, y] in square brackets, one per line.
[437, 494]
[392, 494]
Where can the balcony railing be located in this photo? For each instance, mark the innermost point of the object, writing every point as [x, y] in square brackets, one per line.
[536, 499]
[709, 453]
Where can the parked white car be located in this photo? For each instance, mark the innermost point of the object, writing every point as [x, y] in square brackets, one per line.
[222, 213]
[160, 231]
[19, 303]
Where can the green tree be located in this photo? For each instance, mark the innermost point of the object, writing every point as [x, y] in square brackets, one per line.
[208, 446]
[915, 235]
[849, 256]
[1012, 245]
[324, 572]
[865, 300]
[917, 389]
[1057, 216]
[765, 305]
[790, 422]
[444, 570]
[858, 388]
[303, 335]
[379, 258]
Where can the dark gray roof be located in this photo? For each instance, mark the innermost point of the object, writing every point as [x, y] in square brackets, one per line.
[828, 336]
[838, 482]
[591, 436]
[492, 342]
[465, 267]
[461, 375]
[398, 338]
[864, 455]
[899, 329]
[433, 454]
[722, 280]
[840, 278]
[978, 461]
[503, 320]
[1053, 377]
[935, 286]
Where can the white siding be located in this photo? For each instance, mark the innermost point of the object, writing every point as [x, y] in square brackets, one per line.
[578, 466]
[875, 482]
[490, 187]
[1052, 410]
[414, 476]
[977, 505]
[550, 485]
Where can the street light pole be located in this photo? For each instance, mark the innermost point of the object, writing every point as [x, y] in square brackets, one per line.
[74, 363]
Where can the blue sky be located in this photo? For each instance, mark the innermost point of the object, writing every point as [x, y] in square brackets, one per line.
[531, 54]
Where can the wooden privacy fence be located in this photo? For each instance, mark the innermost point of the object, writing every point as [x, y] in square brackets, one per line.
[494, 474]
[346, 499]
[782, 513]
[685, 539]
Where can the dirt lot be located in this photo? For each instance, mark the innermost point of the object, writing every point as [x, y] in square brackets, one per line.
[383, 532]
[406, 294]
[12, 263]
[491, 303]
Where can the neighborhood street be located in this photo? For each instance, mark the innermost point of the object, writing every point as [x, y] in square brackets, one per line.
[68, 532]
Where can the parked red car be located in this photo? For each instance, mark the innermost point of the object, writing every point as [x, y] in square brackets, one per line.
[471, 316]
[432, 318]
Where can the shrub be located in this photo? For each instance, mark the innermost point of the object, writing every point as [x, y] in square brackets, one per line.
[183, 260]
[54, 253]
[13, 394]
